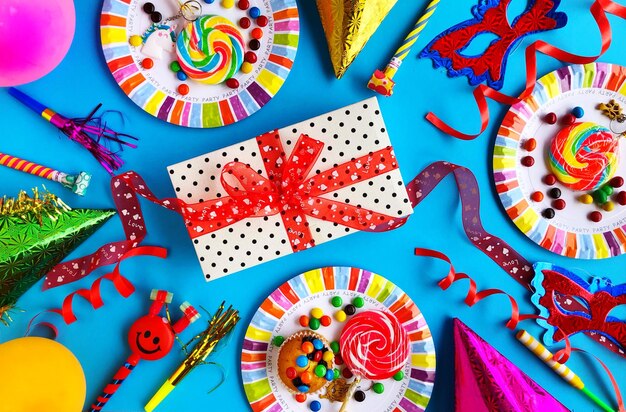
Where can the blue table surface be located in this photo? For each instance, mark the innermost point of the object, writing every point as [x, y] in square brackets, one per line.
[98, 339]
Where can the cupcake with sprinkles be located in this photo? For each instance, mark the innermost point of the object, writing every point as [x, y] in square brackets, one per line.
[305, 363]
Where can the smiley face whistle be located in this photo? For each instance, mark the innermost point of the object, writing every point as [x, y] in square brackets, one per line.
[151, 337]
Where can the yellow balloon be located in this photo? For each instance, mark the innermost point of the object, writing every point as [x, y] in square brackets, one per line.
[40, 375]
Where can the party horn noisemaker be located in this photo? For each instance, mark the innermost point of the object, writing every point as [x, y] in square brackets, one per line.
[219, 326]
[382, 82]
[89, 132]
[150, 337]
[563, 371]
[76, 183]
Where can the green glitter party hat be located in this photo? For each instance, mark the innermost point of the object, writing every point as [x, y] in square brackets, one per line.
[36, 233]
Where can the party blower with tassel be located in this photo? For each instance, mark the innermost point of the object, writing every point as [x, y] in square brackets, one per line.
[90, 132]
[220, 325]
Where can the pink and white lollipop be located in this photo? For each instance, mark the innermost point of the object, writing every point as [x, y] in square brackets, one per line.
[374, 345]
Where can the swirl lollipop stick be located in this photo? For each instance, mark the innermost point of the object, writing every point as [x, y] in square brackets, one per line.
[76, 183]
[375, 346]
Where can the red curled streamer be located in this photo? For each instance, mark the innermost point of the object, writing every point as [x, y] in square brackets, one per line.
[598, 9]
[122, 285]
[474, 296]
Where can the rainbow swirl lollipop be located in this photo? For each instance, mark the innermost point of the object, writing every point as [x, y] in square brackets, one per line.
[210, 50]
[374, 345]
[584, 156]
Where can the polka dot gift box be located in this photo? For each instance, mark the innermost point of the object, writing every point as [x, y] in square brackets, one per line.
[293, 188]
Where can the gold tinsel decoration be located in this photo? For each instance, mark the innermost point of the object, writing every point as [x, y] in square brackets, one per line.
[38, 205]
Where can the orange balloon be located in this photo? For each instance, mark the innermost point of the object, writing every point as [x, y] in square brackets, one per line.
[40, 375]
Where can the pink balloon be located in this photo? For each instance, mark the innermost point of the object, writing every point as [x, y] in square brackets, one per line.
[34, 38]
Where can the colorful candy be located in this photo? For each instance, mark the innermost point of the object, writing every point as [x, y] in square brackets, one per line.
[549, 179]
[247, 67]
[254, 12]
[374, 345]
[536, 196]
[341, 316]
[398, 376]
[528, 161]
[307, 347]
[336, 301]
[315, 406]
[617, 182]
[328, 356]
[304, 321]
[608, 206]
[359, 396]
[320, 371]
[358, 302]
[554, 193]
[584, 156]
[291, 373]
[621, 198]
[378, 388]
[302, 361]
[210, 50]
[530, 145]
[595, 216]
[181, 76]
[550, 118]
[243, 4]
[317, 313]
[262, 21]
[330, 375]
[244, 22]
[314, 324]
[325, 320]
[559, 204]
[278, 340]
[183, 89]
[147, 63]
[254, 44]
[306, 377]
[300, 398]
[548, 213]
[578, 112]
[256, 33]
[350, 310]
[569, 119]
[586, 199]
[334, 346]
[135, 40]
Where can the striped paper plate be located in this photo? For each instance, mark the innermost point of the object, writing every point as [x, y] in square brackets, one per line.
[570, 233]
[155, 90]
[279, 314]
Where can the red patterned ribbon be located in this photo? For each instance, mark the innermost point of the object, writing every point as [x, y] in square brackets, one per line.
[599, 10]
[474, 296]
[494, 247]
[122, 285]
[286, 191]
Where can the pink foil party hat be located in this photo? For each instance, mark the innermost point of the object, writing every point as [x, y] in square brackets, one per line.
[486, 381]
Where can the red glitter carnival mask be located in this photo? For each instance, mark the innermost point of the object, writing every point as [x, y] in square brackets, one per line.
[573, 305]
[490, 16]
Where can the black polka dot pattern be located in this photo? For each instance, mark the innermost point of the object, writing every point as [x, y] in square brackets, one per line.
[255, 240]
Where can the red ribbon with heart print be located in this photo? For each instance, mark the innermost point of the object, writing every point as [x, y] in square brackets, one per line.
[286, 192]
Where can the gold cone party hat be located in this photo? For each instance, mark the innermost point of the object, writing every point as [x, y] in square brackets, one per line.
[348, 25]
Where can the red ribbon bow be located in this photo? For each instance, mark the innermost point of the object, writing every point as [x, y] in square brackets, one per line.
[287, 191]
